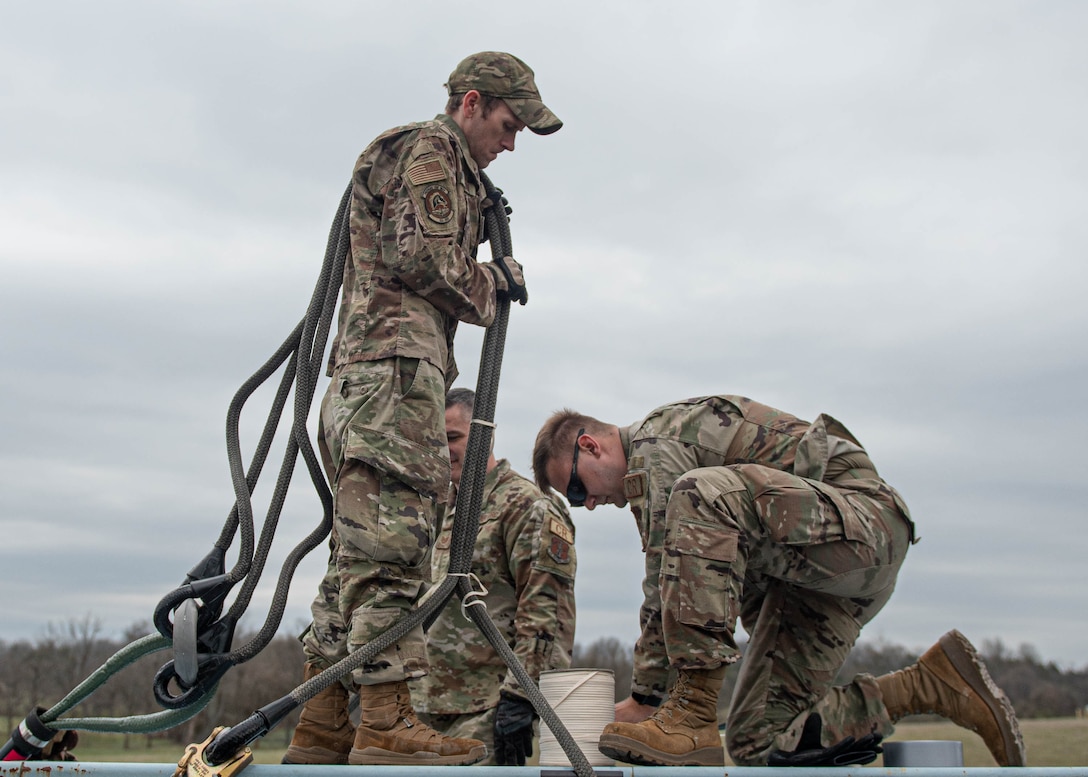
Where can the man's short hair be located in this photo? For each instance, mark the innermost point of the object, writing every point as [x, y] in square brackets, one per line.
[556, 438]
[461, 397]
[487, 104]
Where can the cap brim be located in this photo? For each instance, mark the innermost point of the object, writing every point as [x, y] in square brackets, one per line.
[535, 114]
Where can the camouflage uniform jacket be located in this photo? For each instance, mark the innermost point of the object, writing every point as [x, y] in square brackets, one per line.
[415, 226]
[718, 431]
[525, 559]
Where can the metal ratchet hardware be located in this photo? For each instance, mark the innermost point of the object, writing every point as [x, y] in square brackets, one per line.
[192, 764]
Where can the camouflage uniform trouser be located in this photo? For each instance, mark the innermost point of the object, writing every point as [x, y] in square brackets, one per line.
[382, 441]
[804, 565]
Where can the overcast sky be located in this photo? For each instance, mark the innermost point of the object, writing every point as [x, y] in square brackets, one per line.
[872, 210]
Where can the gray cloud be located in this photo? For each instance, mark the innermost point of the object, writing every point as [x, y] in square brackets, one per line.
[866, 210]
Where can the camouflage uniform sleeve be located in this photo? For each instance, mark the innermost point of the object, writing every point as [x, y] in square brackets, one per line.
[663, 449]
[542, 565]
[430, 230]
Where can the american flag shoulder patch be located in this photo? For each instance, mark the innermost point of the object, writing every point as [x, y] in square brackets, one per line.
[426, 171]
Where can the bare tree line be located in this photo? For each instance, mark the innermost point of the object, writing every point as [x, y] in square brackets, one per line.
[1037, 689]
[43, 671]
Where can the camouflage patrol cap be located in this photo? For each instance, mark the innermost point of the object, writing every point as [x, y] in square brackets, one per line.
[499, 74]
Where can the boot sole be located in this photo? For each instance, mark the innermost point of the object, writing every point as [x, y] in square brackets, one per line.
[963, 656]
[376, 756]
[314, 755]
[632, 751]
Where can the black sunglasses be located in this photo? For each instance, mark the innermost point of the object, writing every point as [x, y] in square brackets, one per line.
[576, 489]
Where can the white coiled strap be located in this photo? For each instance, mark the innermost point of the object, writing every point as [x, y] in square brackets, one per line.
[584, 699]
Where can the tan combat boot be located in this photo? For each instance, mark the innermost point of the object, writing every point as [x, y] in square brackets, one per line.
[683, 731]
[324, 733]
[950, 680]
[389, 733]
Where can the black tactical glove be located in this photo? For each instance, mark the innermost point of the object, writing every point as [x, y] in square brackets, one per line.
[509, 279]
[809, 752]
[513, 730]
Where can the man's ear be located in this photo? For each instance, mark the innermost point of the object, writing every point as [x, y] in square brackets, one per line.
[470, 103]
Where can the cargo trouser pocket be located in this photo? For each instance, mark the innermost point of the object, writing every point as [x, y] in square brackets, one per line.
[854, 528]
[381, 518]
[406, 521]
[708, 595]
[399, 430]
[797, 511]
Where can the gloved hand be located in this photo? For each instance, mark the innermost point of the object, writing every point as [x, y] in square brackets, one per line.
[59, 747]
[513, 730]
[509, 279]
[809, 752]
[31, 731]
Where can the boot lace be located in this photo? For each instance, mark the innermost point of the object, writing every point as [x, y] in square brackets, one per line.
[678, 698]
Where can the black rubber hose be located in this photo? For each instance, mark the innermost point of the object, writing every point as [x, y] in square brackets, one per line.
[463, 541]
[470, 495]
[307, 344]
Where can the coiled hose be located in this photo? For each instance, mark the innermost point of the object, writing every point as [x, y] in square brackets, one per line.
[463, 541]
[208, 583]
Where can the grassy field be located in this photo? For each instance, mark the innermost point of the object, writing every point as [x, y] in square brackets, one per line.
[1056, 742]
[1059, 742]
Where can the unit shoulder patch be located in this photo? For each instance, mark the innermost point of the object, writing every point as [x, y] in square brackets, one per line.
[559, 550]
[438, 203]
[634, 485]
[562, 531]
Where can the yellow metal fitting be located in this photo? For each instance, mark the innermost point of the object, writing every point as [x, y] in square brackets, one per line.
[192, 764]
